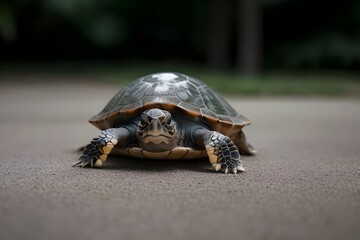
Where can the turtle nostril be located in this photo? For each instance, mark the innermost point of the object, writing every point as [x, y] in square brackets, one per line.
[154, 125]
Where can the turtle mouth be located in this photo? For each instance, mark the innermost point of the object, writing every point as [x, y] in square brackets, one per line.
[156, 139]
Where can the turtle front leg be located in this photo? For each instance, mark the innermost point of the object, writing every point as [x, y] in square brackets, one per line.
[96, 152]
[222, 152]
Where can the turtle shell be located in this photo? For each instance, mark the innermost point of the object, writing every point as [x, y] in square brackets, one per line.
[174, 92]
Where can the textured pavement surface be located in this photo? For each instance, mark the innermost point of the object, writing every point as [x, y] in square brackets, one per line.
[303, 184]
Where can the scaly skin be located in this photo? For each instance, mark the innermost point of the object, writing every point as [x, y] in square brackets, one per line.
[97, 151]
[222, 152]
[155, 131]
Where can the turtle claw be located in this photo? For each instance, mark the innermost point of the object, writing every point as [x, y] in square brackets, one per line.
[86, 163]
[240, 168]
[217, 166]
[95, 153]
[234, 170]
[226, 169]
[83, 162]
[223, 154]
[98, 163]
[77, 164]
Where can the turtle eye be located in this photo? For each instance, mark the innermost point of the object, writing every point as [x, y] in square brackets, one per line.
[142, 123]
[169, 124]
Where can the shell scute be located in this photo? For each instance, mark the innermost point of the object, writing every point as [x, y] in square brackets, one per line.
[132, 106]
[174, 92]
[189, 108]
[161, 89]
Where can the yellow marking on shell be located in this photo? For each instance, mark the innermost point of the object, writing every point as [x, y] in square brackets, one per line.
[191, 154]
[98, 163]
[159, 155]
[110, 145]
[136, 152]
[103, 157]
[114, 141]
[178, 153]
[226, 170]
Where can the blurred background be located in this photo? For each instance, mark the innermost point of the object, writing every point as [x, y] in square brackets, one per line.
[297, 62]
[238, 46]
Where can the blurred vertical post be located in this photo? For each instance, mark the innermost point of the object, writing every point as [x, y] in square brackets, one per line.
[218, 49]
[7, 24]
[249, 56]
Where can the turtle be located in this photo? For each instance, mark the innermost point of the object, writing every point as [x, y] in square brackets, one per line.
[169, 115]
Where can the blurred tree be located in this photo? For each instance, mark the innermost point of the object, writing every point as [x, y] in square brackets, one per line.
[246, 35]
[7, 23]
[218, 51]
[312, 34]
[249, 33]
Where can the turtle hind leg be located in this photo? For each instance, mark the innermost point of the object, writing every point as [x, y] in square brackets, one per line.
[223, 153]
[96, 152]
[243, 145]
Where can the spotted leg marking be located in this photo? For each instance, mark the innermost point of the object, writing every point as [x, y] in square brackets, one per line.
[223, 153]
[97, 151]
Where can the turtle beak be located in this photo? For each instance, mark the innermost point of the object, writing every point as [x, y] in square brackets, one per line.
[155, 133]
[154, 128]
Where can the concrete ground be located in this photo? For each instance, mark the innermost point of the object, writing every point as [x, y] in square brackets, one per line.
[303, 184]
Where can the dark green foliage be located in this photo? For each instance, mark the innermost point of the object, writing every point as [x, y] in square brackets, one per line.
[296, 33]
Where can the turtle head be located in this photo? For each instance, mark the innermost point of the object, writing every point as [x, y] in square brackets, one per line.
[156, 131]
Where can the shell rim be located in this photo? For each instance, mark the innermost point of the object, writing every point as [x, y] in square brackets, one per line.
[110, 119]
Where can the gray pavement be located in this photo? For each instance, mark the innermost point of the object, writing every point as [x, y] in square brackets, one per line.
[303, 184]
